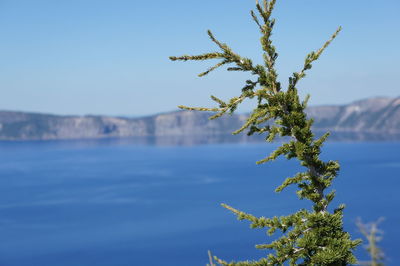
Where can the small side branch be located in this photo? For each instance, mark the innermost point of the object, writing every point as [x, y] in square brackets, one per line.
[310, 58]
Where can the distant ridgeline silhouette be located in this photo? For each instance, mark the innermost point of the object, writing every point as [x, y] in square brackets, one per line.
[370, 119]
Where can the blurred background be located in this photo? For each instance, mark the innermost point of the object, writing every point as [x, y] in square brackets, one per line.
[98, 167]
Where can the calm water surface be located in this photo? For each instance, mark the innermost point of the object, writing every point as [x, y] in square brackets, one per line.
[106, 203]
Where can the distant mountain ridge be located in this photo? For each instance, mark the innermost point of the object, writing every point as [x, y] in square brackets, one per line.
[370, 119]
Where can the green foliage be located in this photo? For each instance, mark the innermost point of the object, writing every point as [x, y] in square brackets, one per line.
[310, 237]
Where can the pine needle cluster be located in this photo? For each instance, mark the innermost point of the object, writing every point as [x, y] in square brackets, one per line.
[310, 237]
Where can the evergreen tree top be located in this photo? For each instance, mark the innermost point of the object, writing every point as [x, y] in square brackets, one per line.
[310, 236]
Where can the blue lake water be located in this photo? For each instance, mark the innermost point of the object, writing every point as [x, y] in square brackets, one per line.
[110, 203]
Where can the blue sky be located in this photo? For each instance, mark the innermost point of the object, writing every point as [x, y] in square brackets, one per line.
[111, 57]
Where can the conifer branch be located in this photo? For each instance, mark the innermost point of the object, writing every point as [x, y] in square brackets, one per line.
[254, 16]
[224, 107]
[203, 109]
[213, 68]
[253, 119]
[310, 58]
[312, 237]
[201, 57]
[221, 103]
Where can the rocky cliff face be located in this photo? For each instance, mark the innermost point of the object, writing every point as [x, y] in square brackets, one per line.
[376, 118]
[26, 126]
[377, 115]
